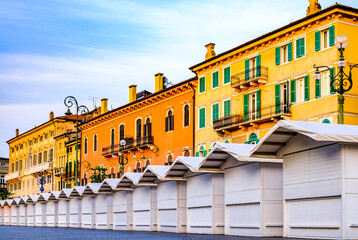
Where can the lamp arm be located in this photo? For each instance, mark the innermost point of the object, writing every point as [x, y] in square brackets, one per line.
[317, 67]
[69, 101]
[83, 110]
[350, 71]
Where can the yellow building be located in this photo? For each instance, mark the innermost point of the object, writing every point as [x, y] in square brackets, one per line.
[32, 154]
[242, 92]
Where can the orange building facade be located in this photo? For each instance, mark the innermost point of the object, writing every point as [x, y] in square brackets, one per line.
[157, 127]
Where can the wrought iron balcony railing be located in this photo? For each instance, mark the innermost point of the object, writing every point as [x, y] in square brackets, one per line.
[251, 77]
[131, 143]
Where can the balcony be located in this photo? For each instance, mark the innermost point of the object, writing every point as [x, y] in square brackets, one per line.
[256, 116]
[59, 171]
[39, 168]
[70, 175]
[12, 175]
[3, 187]
[131, 144]
[252, 77]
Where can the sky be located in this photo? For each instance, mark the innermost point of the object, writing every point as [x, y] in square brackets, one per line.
[50, 49]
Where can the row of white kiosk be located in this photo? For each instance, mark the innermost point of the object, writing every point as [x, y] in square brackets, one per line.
[300, 180]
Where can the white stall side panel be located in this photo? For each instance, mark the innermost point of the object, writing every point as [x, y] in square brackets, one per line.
[63, 213]
[313, 173]
[122, 210]
[104, 210]
[40, 214]
[88, 212]
[199, 191]
[200, 220]
[7, 217]
[30, 212]
[167, 194]
[272, 219]
[167, 220]
[244, 219]
[75, 212]
[52, 214]
[242, 184]
[141, 220]
[1, 216]
[314, 218]
[22, 215]
[141, 198]
[14, 215]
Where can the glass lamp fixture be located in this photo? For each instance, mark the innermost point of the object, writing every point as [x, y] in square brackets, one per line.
[317, 75]
[119, 154]
[341, 63]
[341, 42]
[122, 142]
[134, 156]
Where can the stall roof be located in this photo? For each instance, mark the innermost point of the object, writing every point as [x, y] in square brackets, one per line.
[55, 195]
[152, 173]
[65, 193]
[181, 165]
[110, 182]
[23, 200]
[33, 198]
[222, 151]
[285, 130]
[91, 188]
[44, 197]
[77, 191]
[128, 180]
[2, 202]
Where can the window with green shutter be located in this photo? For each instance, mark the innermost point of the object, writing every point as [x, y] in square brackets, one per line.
[202, 118]
[258, 104]
[293, 90]
[300, 47]
[215, 108]
[318, 88]
[278, 98]
[317, 37]
[332, 75]
[331, 35]
[258, 66]
[202, 85]
[247, 70]
[227, 108]
[277, 54]
[307, 88]
[227, 77]
[246, 107]
[215, 81]
[289, 51]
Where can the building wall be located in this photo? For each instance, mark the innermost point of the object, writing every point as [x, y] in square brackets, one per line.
[4, 169]
[315, 108]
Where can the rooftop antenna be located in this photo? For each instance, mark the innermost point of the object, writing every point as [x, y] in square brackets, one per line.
[93, 99]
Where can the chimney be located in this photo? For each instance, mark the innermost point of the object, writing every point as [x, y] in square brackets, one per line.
[132, 93]
[159, 82]
[210, 51]
[313, 7]
[104, 105]
[17, 132]
[51, 116]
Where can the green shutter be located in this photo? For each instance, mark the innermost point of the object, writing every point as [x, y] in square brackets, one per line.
[227, 108]
[246, 107]
[202, 85]
[318, 88]
[202, 118]
[278, 98]
[247, 70]
[293, 90]
[227, 75]
[258, 103]
[307, 88]
[204, 153]
[317, 37]
[331, 35]
[332, 75]
[289, 51]
[215, 112]
[215, 81]
[258, 66]
[277, 53]
[197, 154]
[302, 47]
[298, 48]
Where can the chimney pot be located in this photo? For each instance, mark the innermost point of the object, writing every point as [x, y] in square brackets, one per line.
[159, 82]
[17, 132]
[51, 116]
[104, 108]
[132, 93]
[210, 51]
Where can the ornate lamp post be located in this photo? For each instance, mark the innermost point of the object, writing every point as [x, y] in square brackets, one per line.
[42, 181]
[341, 82]
[121, 159]
[69, 102]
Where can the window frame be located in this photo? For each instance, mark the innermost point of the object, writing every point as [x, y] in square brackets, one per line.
[95, 142]
[226, 83]
[199, 117]
[212, 112]
[212, 80]
[200, 85]
[186, 115]
[223, 108]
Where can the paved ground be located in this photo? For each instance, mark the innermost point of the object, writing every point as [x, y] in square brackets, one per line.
[13, 232]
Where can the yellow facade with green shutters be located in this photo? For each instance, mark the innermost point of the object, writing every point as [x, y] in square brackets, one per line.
[244, 91]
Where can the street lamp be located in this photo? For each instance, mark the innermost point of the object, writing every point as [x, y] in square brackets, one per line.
[341, 82]
[42, 181]
[69, 102]
[121, 159]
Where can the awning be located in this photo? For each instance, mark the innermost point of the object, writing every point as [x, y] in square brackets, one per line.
[152, 173]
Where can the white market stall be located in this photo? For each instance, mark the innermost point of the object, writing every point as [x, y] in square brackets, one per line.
[104, 207]
[122, 203]
[40, 210]
[30, 210]
[320, 177]
[253, 190]
[52, 208]
[14, 213]
[76, 207]
[23, 211]
[7, 212]
[1, 212]
[88, 205]
[64, 208]
[205, 195]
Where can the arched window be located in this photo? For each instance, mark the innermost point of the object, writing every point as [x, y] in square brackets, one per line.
[95, 143]
[186, 153]
[113, 174]
[34, 160]
[202, 152]
[40, 158]
[147, 163]
[113, 135]
[138, 168]
[45, 156]
[84, 179]
[147, 128]
[169, 121]
[139, 128]
[326, 121]
[121, 132]
[50, 157]
[253, 139]
[227, 141]
[86, 146]
[186, 115]
[170, 159]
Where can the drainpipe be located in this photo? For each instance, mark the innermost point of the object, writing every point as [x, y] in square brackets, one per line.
[192, 87]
